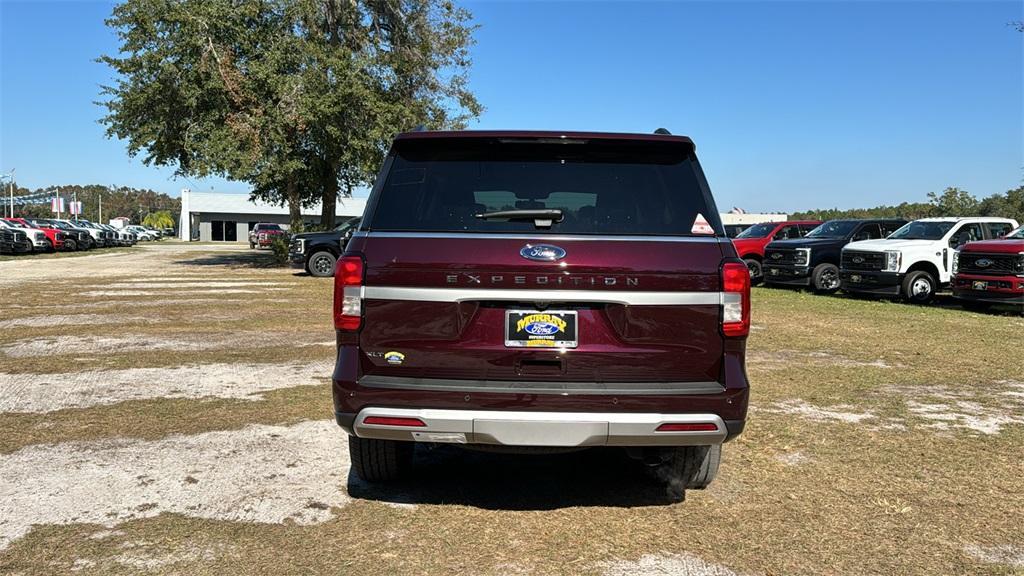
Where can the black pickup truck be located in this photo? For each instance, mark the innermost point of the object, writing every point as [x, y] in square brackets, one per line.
[317, 252]
[813, 260]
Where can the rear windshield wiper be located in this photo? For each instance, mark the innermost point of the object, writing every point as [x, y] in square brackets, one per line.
[542, 218]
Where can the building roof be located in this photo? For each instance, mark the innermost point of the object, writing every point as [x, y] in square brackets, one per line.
[220, 202]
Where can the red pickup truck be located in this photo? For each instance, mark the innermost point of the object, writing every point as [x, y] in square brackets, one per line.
[751, 242]
[991, 272]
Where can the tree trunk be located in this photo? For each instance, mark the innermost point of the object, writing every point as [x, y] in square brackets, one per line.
[329, 199]
[294, 205]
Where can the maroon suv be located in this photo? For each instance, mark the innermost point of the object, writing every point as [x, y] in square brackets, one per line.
[541, 289]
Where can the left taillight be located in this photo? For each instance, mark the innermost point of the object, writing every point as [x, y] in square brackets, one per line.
[735, 299]
[348, 298]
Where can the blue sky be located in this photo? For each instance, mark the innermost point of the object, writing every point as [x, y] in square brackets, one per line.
[793, 105]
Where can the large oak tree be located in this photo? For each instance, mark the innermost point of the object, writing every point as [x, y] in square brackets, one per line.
[297, 97]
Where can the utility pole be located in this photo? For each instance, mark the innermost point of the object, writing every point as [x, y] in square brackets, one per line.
[75, 205]
[11, 176]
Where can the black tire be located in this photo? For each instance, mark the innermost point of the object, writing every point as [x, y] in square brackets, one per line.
[756, 271]
[252, 246]
[919, 287]
[688, 468]
[70, 245]
[826, 278]
[321, 263]
[380, 460]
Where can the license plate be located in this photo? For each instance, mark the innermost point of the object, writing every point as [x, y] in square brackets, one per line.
[855, 278]
[541, 329]
[979, 285]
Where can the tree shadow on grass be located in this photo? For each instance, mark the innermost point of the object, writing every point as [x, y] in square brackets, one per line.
[494, 481]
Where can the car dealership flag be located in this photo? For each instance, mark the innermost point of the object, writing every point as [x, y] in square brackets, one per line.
[57, 205]
[76, 208]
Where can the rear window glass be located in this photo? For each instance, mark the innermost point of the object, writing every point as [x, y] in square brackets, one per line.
[605, 187]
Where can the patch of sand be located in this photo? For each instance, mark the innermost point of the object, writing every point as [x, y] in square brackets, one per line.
[838, 413]
[46, 320]
[39, 393]
[266, 474]
[684, 564]
[1007, 554]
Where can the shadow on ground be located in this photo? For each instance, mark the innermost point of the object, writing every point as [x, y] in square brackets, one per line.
[234, 260]
[449, 475]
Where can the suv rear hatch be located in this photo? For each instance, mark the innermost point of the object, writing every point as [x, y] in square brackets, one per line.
[622, 290]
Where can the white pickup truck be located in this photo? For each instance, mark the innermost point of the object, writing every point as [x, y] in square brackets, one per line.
[917, 260]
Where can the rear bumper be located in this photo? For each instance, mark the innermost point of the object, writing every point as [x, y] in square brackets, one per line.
[787, 275]
[884, 283]
[520, 428]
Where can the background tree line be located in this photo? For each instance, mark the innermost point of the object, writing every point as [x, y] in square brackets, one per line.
[298, 98]
[134, 203]
[951, 202]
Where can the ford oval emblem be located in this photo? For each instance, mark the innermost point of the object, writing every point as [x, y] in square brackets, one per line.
[984, 263]
[542, 252]
[542, 328]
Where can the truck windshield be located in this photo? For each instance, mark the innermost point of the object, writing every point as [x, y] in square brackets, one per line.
[599, 186]
[922, 230]
[833, 229]
[757, 231]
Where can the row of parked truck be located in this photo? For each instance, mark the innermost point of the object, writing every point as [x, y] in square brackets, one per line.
[980, 259]
[30, 235]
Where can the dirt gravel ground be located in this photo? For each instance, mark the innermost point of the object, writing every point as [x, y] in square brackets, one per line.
[170, 414]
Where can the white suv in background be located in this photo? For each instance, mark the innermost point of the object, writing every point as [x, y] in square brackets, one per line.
[917, 260]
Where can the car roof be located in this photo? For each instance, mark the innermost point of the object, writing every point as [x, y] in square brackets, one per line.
[542, 134]
[959, 218]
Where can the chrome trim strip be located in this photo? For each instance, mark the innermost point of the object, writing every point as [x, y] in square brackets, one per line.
[637, 298]
[536, 237]
[551, 387]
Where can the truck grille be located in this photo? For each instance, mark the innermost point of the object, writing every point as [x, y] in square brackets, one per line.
[779, 256]
[995, 264]
[863, 260]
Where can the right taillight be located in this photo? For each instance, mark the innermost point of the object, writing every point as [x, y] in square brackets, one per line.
[348, 299]
[735, 299]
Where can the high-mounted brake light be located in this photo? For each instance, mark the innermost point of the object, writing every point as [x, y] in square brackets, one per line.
[735, 299]
[687, 427]
[348, 287]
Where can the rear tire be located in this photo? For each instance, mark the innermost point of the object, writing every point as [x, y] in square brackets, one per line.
[756, 272]
[380, 460]
[321, 264]
[919, 287]
[689, 467]
[826, 278]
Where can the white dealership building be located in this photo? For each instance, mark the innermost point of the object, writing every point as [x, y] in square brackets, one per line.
[222, 217]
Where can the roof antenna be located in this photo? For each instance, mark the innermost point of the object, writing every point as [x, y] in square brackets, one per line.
[662, 132]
